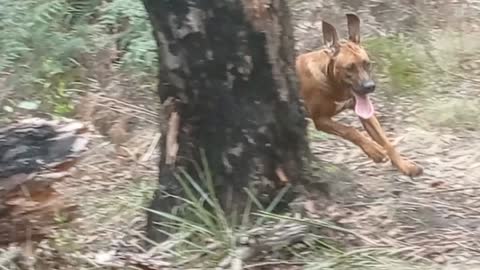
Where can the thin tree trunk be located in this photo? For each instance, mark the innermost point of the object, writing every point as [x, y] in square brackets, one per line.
[228, 87]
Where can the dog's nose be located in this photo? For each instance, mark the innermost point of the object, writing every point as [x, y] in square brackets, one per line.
[368, 86]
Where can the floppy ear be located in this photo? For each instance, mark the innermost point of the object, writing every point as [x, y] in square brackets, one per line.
[330, 36]
[353, 23]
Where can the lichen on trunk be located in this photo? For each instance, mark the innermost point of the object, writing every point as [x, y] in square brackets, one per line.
[228, 88]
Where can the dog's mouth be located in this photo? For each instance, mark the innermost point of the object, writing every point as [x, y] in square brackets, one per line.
[363, 106]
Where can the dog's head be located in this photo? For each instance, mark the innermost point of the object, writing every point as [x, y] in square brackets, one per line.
[349, 64]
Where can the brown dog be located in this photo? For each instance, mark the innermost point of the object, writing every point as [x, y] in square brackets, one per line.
[337, 78]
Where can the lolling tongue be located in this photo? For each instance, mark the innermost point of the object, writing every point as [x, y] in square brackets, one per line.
[363, 106]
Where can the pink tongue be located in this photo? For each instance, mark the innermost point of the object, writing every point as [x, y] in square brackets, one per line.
[363, 106]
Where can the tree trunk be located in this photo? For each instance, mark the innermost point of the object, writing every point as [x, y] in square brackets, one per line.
[35, 154]
[228, 87]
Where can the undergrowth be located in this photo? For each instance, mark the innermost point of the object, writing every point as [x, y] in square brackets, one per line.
[397, 60]
[203, 238]
[44, 46]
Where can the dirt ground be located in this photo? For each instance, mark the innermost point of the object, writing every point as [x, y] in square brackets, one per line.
[436, 215]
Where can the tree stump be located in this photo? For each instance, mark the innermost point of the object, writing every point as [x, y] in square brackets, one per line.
[35, 154]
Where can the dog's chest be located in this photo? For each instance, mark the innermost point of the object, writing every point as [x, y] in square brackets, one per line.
[344, 104]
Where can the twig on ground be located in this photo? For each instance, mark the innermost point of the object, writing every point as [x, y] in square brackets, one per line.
[264, 239]
[132, 107]
[128, 113]
[151, 148]
[467, 247]
[450, 190]
[250, 266]
[320, 224]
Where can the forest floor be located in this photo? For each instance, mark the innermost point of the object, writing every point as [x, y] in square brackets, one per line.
[435, 216]
[431, 219]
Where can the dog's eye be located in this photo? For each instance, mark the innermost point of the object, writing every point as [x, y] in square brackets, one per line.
[367, 65]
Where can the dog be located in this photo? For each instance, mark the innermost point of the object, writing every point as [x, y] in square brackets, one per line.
[338, 77]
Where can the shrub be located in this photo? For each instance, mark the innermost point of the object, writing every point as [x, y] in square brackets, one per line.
[43, 41]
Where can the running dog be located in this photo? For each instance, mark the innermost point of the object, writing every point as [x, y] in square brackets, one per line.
[338, 77]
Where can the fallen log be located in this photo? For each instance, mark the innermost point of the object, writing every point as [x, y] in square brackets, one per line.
[35, 154]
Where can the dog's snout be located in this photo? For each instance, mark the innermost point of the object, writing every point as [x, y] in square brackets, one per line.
[368, 86]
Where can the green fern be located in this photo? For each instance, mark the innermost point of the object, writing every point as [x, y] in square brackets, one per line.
[43, 41]
[135, 40]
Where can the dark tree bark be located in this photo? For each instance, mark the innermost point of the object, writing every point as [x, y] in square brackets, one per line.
[35, 154]
[228, 87]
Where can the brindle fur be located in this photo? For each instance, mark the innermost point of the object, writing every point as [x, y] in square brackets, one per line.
[327, 77]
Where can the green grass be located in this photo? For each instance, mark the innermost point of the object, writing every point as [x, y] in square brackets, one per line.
[425, 67]
[396, 59]
[205, 237]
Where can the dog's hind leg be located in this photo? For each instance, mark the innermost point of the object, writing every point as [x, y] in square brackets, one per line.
[375, 130]
[371, 148]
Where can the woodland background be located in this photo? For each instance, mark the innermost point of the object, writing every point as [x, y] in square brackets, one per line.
[96, 61]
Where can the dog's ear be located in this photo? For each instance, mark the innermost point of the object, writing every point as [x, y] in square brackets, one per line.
[353, 23]
[330, 36]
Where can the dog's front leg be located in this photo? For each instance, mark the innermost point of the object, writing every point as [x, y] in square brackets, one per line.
[371, 148]
[375, 130]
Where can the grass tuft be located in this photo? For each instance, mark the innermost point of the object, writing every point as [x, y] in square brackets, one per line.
[206, 239]
[397, 60]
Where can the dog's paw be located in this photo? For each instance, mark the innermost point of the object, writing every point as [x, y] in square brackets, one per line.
[409, 168]
[376, 152]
